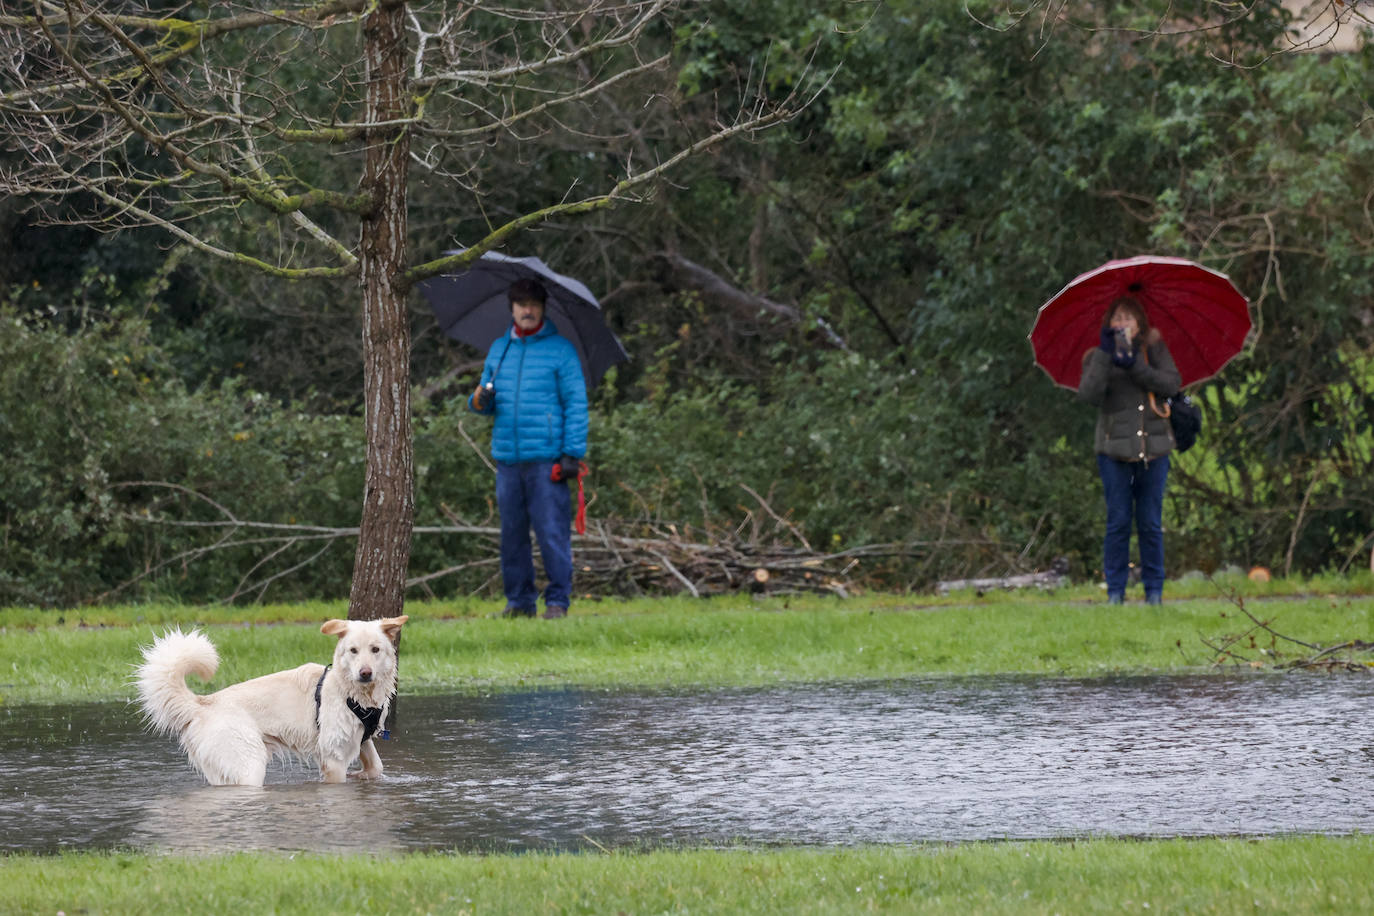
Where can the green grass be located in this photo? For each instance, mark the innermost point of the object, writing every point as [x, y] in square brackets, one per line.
[1282, 875]
[51, 657]
[54, 657]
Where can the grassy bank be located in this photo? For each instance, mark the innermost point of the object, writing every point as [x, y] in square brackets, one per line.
[1283, 875]
[665, 643]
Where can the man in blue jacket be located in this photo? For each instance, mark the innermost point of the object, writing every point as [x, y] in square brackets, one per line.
[533, 386]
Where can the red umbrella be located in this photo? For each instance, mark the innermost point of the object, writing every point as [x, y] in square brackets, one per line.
[1203, 317]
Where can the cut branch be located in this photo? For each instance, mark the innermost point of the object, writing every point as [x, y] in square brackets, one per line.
[1243, 649]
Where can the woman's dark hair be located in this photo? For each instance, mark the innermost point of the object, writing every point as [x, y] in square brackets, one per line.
[524, 290]
[1132, 305]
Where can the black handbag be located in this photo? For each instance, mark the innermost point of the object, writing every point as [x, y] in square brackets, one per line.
[1185, 418]
[1183, 415]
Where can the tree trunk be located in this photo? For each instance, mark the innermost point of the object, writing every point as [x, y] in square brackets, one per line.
[388, 513]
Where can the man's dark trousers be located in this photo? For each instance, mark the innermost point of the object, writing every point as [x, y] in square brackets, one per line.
[528, 499]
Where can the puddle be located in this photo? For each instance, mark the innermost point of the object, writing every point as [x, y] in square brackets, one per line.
[924, 760]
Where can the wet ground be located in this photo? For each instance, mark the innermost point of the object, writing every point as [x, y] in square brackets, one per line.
[926, 760]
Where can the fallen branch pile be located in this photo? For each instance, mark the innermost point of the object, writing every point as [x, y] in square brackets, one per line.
[645, 565]
[765, 553]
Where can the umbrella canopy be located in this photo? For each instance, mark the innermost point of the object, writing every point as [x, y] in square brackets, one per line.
[1203, 317]
[472, 306]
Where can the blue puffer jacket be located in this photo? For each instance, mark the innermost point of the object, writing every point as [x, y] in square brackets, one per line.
[541, 397]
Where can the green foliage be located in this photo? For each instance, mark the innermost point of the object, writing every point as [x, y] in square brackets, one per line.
[105, 440]
[122, 483]
[1243, 505]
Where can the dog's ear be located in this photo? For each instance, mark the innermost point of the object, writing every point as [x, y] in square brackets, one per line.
[391, 626]
[335, 627]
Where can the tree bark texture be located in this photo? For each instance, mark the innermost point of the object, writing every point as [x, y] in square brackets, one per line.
[388, 511]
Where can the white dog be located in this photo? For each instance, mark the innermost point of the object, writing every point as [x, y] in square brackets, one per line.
[324, 713]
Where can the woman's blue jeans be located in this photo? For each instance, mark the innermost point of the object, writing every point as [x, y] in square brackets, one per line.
[1134, 492]
[528, 499]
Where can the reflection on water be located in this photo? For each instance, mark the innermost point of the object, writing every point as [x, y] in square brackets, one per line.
[921, 760]
[356, 817]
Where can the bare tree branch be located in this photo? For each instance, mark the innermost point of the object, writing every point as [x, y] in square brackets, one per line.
[1243, 649]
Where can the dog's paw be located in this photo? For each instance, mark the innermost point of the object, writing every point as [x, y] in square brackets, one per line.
[360, 776]
[334, 773]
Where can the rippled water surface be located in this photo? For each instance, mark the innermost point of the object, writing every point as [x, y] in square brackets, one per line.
[912, 761]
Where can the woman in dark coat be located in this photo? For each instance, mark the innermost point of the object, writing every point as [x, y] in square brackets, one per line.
[1133, 441]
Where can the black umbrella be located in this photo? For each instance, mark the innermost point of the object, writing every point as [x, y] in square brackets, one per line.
[472, 306]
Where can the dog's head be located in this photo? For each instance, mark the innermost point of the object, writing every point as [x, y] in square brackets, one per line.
[366, 653]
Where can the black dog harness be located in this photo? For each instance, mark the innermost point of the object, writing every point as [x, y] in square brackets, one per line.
[370, 716]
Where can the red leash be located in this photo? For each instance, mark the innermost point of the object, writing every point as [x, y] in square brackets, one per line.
[580, 520]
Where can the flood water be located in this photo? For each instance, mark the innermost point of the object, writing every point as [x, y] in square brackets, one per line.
[923, 760]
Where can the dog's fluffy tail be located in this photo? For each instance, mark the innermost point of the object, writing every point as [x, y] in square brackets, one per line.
[168, 703]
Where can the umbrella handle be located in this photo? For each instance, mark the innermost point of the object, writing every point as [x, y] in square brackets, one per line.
[501, 362]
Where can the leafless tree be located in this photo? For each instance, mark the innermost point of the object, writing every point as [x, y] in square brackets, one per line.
[284, 138]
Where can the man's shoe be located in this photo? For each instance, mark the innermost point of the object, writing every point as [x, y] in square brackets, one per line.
[1154, 598]
[554, 611]
[1115, 598]
[513, 611]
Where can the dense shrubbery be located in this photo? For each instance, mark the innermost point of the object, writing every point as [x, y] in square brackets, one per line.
[102, 440]
[855, 452]
[119, 480]
[118, 476]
